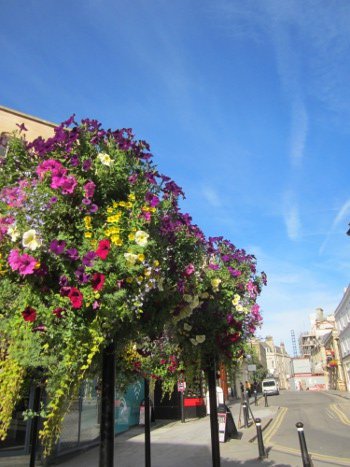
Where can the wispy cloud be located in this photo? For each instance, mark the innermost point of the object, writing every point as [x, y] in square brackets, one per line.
[291, 216]
[343, 216]
[298, 132]
[211, 196]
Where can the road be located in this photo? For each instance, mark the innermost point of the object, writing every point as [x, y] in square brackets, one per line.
[326, 419]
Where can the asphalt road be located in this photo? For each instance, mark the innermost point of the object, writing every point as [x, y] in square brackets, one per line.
[326, 420]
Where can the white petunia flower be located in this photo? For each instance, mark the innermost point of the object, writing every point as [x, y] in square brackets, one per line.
[200, 339]
[130, 258]
[13, 232]
[30, 240]
[105, 159]
[187, 327]
[141, 238]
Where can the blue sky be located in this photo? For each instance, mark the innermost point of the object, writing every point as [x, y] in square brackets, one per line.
[246, 105]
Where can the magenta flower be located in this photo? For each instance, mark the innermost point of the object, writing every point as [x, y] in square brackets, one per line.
[68, 185]
[234, 272]
[103, 249]
[48, 165]
[89, 189]
[24, 264]
[14, 260]
[76, 297]
[190, 269]
[27, 265]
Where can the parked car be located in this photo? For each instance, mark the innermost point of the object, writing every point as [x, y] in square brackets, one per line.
[270, 387]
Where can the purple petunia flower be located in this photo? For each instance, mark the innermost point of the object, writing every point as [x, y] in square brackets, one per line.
[88, 258]
[87, 164]
[93, 208]
[72, 253]
[82, 276]
[57, 246]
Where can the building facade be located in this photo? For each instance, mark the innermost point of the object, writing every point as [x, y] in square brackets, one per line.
[342, 318]
[278, 362]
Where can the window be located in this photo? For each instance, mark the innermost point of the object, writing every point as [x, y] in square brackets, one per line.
[4, 141]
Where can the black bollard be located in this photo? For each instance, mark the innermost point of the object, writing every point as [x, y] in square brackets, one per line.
[262, 452]
[256, 398]
[304, 454]
[266, 401]
[147, 426]
[245, 414]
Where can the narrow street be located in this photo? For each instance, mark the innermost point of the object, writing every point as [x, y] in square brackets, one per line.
[326, 419]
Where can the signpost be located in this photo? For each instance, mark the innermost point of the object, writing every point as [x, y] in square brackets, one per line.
[181, 387]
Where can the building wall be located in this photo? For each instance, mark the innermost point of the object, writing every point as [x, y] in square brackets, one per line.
[342, 318]
[9, 119]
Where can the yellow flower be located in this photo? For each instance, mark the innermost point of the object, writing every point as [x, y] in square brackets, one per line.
[117, 240]
[87, 221]
[140, 278]
[141, 238]
[141, 257]
[131, 196]
[129, 280]
[93, 243]
[155, 263]
[109, 210]
[128, 205]
[88, 235]
[108, 232]
[131, 237]
[30, 240]
[105, 159]
[147, 272]
[122, 204]
[153, 209]
[215, 284]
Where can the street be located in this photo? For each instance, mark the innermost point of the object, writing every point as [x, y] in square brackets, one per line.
[326, 419]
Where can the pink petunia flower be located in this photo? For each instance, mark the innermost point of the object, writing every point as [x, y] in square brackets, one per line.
[103, 249]
[76, 297]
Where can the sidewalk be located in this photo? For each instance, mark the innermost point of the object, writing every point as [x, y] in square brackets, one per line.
[176, 444]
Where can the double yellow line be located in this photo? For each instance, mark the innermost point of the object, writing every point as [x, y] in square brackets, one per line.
[271, 430]
[343, 418]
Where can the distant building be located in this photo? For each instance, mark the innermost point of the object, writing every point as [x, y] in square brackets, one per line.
[278, 362]
[319, 327]
[342, 318]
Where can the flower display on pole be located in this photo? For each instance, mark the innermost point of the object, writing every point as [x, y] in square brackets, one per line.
[88, 232]
[94, 246]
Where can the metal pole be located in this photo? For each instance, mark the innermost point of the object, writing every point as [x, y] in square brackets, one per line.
[182, 407]
[304, 454]
[147, 426]
[256, 397]
[34, 430]
[214, 427]
[266, 401]
[245, 414]
[262, 452]
[107, 406]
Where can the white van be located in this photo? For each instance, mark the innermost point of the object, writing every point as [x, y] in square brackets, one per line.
[270, 387]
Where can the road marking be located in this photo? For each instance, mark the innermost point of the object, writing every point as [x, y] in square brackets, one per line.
[340, 460]
[271, 431]
[343, 418]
